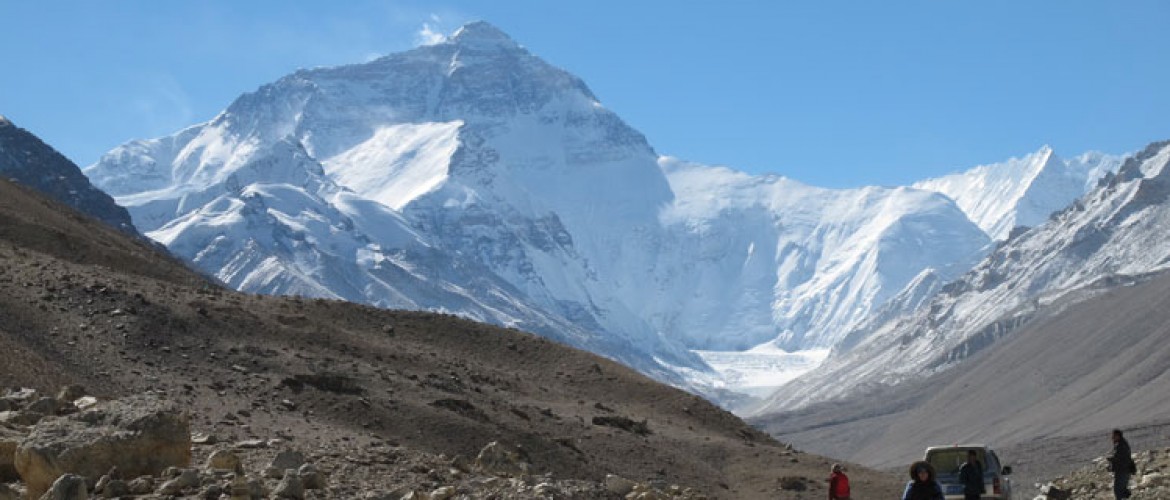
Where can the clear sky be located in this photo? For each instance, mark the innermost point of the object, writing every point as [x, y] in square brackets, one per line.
[831, 93]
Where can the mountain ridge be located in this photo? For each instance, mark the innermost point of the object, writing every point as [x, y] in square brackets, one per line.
[500, 188]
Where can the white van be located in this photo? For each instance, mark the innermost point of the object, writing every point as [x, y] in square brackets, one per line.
[947, 459]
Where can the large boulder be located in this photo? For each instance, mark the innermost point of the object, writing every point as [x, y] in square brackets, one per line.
[140, 435]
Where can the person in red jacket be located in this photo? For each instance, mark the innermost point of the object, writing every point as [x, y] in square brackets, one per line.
[838, 484]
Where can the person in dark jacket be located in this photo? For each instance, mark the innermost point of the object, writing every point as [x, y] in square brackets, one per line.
[1122, 465]
[838, 483]
[971, 475]
[922, 485]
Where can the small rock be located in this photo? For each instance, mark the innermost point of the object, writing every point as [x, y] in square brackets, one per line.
[141, 485]
[70, 393]
[288, 459]
[85, 402]
[618, 485]
[188, 478]
[312, 478]
[443, 493]
[116, 488]
[201, 438]
[46, 406]
[252, 444]
[225, 460]
[212, 492]
[272, 473]
[290, 486]
[67, 487]
[21, 417]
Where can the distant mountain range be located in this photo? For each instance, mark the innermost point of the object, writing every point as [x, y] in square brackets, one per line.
[474, 178]
[1112, 236]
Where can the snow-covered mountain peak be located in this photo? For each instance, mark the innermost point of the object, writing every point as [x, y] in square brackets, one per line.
[481, 34]
[1021, 191]
[4, 121]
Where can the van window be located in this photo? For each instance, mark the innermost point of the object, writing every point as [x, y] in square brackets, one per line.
[947, 461]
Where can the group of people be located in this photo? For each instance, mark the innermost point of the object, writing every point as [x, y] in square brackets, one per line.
[924, 486]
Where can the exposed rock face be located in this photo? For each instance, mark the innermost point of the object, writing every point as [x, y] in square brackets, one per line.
[139, 435]
[27, 160]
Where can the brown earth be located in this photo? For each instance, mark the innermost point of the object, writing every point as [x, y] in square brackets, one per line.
[369, 394]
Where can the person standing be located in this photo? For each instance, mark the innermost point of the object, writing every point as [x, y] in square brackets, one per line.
[838, 484]
[1122, 465]
[971, 475]
[922, 485]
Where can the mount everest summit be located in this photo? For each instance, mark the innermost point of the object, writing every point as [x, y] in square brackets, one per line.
[472, 177]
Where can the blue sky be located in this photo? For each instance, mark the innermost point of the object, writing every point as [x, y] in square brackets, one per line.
[831, 93]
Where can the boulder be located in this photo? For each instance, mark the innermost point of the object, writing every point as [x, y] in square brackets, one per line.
[140, 435]
[67, 487]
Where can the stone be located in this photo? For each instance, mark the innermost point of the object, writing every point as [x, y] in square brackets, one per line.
[1051, 492]
[20, 417]
[618, 485]
[443, 493]
[70, 393]
[188, 478]
[201, 438]
[8, 405]
[312, 478]
[66, 487]
[141, 485]
[251, 444]
[1155, 480]
[85, 402]
[225, 460]
[21, 396]
[7, 493]
[288, 459]
[240, 489]
[290, 486]
[116, 488]
[212, 492]
[44, 406]
[497, 459]
[140, 435]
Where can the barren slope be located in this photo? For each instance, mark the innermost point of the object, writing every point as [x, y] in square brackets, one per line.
[79, 303]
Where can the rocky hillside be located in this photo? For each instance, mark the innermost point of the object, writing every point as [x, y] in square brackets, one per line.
[379, 401]
[26, 159]
[1094, 482]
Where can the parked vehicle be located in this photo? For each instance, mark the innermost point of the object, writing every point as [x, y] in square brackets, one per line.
[947, 459]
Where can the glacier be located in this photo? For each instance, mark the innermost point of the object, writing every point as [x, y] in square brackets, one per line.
[472, 177]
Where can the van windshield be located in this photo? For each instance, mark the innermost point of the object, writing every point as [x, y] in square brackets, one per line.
[948, 461]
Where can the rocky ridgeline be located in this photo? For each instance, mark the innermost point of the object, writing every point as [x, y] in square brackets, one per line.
[1152, 482]
[73, 447]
